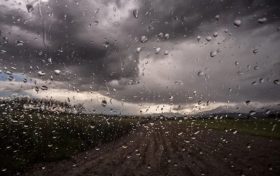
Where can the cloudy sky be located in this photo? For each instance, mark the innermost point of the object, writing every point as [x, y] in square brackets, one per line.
[143, 56]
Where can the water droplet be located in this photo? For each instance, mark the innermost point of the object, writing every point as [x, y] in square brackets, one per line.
[215, 34]
[158, 50]
[10, 78]
[237, 23]
[143, 39]
[255, 51]
[44, 88]
[276, 82]
[29, 8]
[41, 73]
[104, 103]
[213, 53]
[262, 20]
[166, 52]
[57, 72]
[139, 49]
[37, 89]
[135, 13]
[106, 44]
[50, 60]
[4, 170]
[256, 67]
[160, 35]
[252, 113]
[3, 51]
[19, 43]
[200, 73]
[8, 72]
[166, 36]
[198, 38]
[208, 38]
[217, 17]
[254, 83]
[273, 127]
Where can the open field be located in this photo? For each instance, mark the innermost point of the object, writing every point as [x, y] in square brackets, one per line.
[266, 127]
[169, 148]
[31, 137]
[48, 143]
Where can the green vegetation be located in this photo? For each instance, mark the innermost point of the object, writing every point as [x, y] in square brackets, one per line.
[33, 136]
[260, 127]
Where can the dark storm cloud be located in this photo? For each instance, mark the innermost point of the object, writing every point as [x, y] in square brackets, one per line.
[183, 18]
[60, 23]
[94, 44]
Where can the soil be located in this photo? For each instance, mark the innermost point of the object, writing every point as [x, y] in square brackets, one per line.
[172, 149]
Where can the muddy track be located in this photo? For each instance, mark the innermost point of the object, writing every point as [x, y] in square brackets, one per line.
[172, 149]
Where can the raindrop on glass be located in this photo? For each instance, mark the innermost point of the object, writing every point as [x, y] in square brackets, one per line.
[19, 43]
[276, 82]
[255, 51]
[104, 103]
[262, 20]
[213, 53]
[215, 34]
[252, 113]
[158, 50]
[166, 36]
[200, 73]
[29, 8]
[217, 17]
[237, 23]
[143, 39]
[44, 88]
[198, 38]
[208, 38]
[41, 73]
[135, 13]
[139, 49]
[57, 72]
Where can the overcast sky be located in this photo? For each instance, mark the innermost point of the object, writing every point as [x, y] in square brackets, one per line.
[148, 56]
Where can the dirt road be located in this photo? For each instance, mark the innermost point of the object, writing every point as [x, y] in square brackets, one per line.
[172, 149]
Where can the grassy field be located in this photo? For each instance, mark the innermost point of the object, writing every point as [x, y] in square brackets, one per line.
[29, 137]
[266, 127]
[32, 137]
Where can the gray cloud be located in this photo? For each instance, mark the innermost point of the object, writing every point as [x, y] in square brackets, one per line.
[94, 44]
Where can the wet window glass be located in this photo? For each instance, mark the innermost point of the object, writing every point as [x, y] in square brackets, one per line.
[139, 87]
